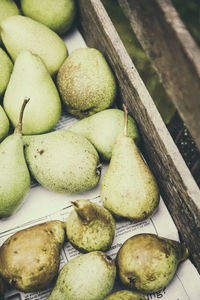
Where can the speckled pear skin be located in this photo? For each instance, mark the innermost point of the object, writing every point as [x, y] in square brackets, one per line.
[7, 9]
[86, 83]
[103, 128]
[62, 161]
[4, 124]
[129, 189]
[90, 276]
[57, 15]
[147, 262]
[31, 78]
[90, 227]
[23, 33]
[30, 259]
[125, 295]
[6, 67]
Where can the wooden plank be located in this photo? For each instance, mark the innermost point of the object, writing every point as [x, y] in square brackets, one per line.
[173, 52]
[177, 186]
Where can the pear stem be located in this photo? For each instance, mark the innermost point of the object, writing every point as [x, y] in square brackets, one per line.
[125, 120]
[18, 128]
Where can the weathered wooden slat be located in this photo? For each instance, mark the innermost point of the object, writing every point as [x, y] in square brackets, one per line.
[173, 52]
[177, 186]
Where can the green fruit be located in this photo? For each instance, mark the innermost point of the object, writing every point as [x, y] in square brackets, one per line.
[14, 174]
[4, 124]
[147, 262]
[129, 189]
[90, 227]
[102, 129]
[124, 295]
[58, 15]
[86, 83]
[62, 161]
[23, 33]
[6, 67]
[30, 258]
[31, 78]
[90, 276]
[7, 8]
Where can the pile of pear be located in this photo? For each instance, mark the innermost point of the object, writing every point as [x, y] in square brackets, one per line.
[39, 80]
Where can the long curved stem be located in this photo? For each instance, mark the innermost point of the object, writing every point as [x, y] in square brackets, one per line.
[18, 128]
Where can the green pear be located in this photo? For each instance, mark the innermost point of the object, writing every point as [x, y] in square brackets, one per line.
[30, 258]
[62, 161]
[86, 83]
[90, 276]
[129, 189]
[14, 174]
[147, 262]
[6, 67]
[4, 124]
[124, 295]
[58, 15]
[90, 227]
[23, 33]
[7, 8]
[30, 77]
[103, 128]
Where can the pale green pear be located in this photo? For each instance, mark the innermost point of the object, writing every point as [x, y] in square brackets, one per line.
[4, 124]
[125, 295]
[90, 227]
[6, 67]
[62, 161]
[14, 174]
[7, 8]
[56, 14]
[129, 189]
[31, 78]
[23, 33]
[147, 262]
[86, 83]
[90, 276]
[102, 129]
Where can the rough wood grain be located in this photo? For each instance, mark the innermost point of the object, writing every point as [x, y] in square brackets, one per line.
[173, 53]
[177, 186]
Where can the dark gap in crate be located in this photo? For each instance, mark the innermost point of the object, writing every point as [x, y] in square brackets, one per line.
[186, 145]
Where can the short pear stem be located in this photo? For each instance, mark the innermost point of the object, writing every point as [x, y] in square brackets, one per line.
[125, 120]
[18, 128]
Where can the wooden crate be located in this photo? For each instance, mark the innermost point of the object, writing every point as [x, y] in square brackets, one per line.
[177, 186]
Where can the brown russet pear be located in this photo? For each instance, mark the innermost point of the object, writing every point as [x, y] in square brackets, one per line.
[129, 189]
[90, 227]
[147, 262]
[14, 173]
[90, 276]
[30, 258]
[125, 295]
[86, 83]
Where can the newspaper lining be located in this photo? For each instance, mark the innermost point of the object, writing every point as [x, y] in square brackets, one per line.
[42, 205]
